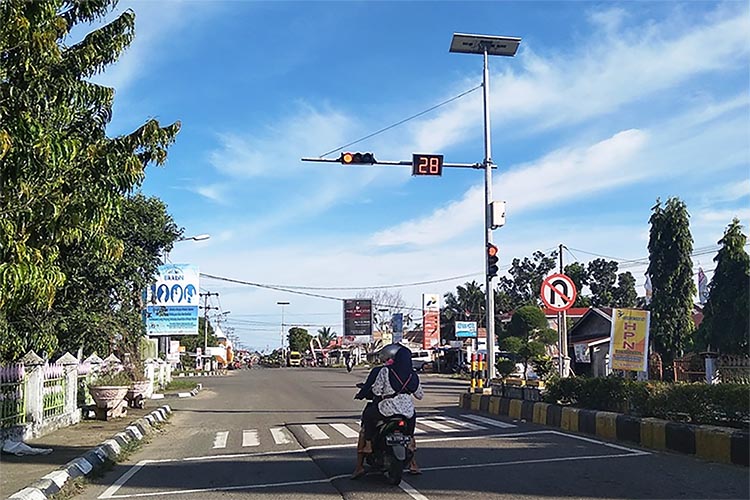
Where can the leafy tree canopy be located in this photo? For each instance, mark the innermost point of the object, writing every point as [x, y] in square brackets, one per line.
[726, 321]
[63, 180]
[299, 339]
[671, 270]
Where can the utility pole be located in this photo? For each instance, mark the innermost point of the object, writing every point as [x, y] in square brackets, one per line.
[206, 308]
[562, 331]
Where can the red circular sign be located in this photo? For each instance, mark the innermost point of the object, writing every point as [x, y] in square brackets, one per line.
[558, 292]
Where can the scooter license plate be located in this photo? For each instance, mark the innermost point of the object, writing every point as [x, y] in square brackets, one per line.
[392, 439]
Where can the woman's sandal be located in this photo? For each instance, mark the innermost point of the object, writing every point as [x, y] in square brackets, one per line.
[357, 475]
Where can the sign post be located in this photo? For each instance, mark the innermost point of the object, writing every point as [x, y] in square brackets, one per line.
[559, 294]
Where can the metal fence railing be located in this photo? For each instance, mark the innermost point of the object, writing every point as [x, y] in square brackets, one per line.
[54, 390]
[12, 395]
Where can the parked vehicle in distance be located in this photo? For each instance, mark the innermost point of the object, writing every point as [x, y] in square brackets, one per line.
[295, 358]
[420, 358]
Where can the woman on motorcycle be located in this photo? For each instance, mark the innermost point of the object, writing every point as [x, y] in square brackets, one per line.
[392, 386]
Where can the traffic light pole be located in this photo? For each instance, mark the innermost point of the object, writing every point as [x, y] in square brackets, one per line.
[402, 163]
[489, 290]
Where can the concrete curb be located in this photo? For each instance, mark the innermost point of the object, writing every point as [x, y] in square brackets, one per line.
[215, 373]
[93, 459]
[716, 444]
[190, 394]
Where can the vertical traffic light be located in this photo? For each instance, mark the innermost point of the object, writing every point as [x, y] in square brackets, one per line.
[492, 259]
[357, 159]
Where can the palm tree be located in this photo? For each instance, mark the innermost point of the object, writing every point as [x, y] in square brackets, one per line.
[325, 335]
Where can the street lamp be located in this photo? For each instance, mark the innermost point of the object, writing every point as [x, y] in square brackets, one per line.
[283, 304]
[197, 237]
[487, 45]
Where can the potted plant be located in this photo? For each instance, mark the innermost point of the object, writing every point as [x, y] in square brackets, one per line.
[109, 387]
[139, 383]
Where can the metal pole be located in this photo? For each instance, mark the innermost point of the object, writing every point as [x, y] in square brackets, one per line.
[205, 324]
[487, 218]
[563, 328]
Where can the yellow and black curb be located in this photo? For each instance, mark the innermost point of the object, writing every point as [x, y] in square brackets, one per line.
[717, 444]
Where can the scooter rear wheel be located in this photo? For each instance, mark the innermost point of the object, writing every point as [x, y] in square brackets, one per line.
[395, 472]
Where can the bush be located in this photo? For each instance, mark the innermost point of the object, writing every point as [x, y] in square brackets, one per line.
[721, 404]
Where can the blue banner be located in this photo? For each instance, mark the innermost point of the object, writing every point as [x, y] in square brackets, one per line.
[172, 302]
[397, 325]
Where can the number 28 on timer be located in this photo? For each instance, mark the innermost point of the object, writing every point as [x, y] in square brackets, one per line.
[427, 164]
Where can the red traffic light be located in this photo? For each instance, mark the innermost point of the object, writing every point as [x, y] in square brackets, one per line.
[357, 158]
[492, 260]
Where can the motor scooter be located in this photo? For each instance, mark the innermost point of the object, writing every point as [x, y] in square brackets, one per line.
[391, 450]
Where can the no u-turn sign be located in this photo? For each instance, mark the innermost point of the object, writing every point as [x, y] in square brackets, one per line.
[558, 292]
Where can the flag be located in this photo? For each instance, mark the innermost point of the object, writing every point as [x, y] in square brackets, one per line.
[649, 289]
[702, 287]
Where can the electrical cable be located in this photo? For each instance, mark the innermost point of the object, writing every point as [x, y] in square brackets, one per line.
[402, 121]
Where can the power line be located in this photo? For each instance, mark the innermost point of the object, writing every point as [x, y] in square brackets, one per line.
[402, 121]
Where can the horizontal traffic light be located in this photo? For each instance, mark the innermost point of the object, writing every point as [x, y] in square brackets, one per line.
[357, 159]
[492, 259]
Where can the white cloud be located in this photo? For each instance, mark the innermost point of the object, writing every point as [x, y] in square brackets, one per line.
[214, 192]
[722, 216]
[545, 182]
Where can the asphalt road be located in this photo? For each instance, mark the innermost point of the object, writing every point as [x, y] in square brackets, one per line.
[291, 433]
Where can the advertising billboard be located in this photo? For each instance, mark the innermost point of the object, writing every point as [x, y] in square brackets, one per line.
[628, 343]
[172, 301]
[430, 320]
[358, 320]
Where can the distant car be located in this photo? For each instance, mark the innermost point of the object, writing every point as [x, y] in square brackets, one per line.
[419, 359]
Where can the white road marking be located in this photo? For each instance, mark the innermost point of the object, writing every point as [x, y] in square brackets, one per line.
[345, 430]
[417, 430]
[314, 432]
[250, 438]
[110, 492]
[280, 436]
[411, 491]
[437, 426]
[460, 423]
[489, 421]
[220, 440]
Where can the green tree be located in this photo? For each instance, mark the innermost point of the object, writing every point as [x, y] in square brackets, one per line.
[101, 301]
[580, 277]
[523, 287]
[726, 321]
[192, 342]
[625, 295]
[467, 304]
[299, 339]
[63, 179]
[326, 335]
[671, 269]
[602, 276]
[528, 335]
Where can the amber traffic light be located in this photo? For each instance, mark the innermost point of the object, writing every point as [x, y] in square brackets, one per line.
[357, 159]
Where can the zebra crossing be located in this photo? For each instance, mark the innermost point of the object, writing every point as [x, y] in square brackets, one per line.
[335, 431]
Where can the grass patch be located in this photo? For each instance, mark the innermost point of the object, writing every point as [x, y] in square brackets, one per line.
[181, 385]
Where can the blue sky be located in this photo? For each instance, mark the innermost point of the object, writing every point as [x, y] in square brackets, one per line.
[606, 107]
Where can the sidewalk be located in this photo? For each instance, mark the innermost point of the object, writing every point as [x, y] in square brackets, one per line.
[70, 443]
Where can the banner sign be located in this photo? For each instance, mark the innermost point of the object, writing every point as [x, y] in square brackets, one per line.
[466, 329]
[358, 320]
[172, 302]
[430, 320]
[628, 343]
[397, 325]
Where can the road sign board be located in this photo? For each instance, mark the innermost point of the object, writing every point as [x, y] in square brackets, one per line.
[558, 292]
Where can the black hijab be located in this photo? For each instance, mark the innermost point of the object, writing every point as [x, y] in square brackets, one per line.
[401, 375]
